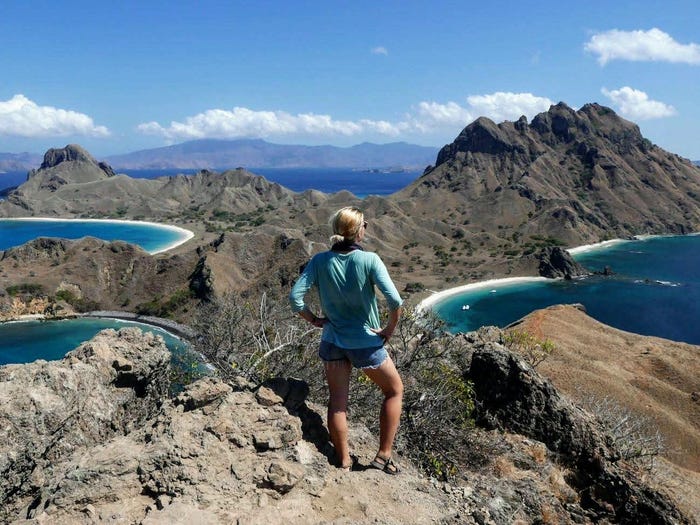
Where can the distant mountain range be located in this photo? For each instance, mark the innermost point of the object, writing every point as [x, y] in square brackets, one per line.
[227, 154]
[19, 161]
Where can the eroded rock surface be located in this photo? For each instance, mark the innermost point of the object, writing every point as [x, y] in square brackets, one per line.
[94, 438]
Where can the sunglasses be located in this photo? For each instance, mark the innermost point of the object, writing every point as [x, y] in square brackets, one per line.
[364, 224]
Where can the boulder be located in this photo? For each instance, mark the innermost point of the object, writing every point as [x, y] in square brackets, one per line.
[555, 262]
[511, 395]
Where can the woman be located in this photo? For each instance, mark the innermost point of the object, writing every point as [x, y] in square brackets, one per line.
[345, 277]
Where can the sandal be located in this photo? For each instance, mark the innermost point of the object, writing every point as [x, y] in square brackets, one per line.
[386, 464]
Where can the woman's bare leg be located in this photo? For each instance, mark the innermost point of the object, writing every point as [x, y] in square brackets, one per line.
[387, 378]
[338, 378]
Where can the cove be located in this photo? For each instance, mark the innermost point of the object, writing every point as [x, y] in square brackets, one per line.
[152, 237]
[27, 341]
[655, 291]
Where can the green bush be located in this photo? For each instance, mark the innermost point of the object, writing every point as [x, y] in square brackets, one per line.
[533, 349]
[32, 289]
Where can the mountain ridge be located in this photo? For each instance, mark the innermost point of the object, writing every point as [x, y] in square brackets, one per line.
[253, 153]
[257, 153]
[579, 176]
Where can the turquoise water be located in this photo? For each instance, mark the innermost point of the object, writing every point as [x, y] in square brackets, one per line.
[151, 237]
[26, 341]
[655, 291]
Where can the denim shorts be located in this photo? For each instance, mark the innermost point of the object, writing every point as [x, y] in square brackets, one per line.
[359, 357]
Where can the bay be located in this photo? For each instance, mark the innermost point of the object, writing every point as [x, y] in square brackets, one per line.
[27, 341]
[655, 291]
[151, 237]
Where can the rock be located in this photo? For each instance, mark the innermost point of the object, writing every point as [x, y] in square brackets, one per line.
[556, 262]
[201, 280]
[77, 448]
[51, 411]
[282, 476]
[267, 397]
[71, 153]
[202, 393]
[606, 271]
[512, 395]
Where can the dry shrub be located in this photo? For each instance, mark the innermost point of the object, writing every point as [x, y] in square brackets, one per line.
[560, 488]
[548, 515]
[533, 349]
[635, 438]
[257, 339]
[503, 467]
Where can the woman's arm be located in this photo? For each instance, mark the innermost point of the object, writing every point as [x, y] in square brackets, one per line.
[309, 316]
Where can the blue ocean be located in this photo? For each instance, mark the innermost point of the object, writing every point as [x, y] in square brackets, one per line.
[27, 341]
[328, 180]
[655, 290]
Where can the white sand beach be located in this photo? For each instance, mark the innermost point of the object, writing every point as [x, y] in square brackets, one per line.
[184, 235]
[597, 246]
[430, 301]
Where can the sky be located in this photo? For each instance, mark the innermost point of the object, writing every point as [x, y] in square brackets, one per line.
[117, 77]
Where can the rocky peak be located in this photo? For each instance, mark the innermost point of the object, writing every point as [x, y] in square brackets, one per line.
[72, 153]
[481, 136]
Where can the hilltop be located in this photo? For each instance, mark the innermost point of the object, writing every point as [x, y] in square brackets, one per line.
[233, 451]
[577, 176]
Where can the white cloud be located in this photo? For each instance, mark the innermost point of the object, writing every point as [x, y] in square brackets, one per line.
[508, 106]
[652, 45]
[22, 117]
[432, 115]
[427, 117]
[636, 104]
[244, 122]
[380, 50]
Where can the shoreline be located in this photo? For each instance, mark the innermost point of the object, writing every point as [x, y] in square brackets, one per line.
[177, 330]
[430, 301]
[185, 235]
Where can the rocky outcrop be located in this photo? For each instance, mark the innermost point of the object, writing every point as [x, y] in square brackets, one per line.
[94, 438]
[72, 153]
[555, 262]
[511, 395]
[52, 414]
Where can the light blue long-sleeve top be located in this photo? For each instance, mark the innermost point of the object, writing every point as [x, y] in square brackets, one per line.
[345, 283]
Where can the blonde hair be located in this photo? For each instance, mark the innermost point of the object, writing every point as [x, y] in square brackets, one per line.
[346, 224]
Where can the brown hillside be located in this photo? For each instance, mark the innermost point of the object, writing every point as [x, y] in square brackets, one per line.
[657, 379]
[578, 176]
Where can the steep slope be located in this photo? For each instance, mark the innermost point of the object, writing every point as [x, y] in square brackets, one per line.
[578, 176]
[655, 380]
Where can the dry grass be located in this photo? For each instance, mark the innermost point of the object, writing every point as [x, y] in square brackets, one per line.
[650, 377]
[538, 451]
